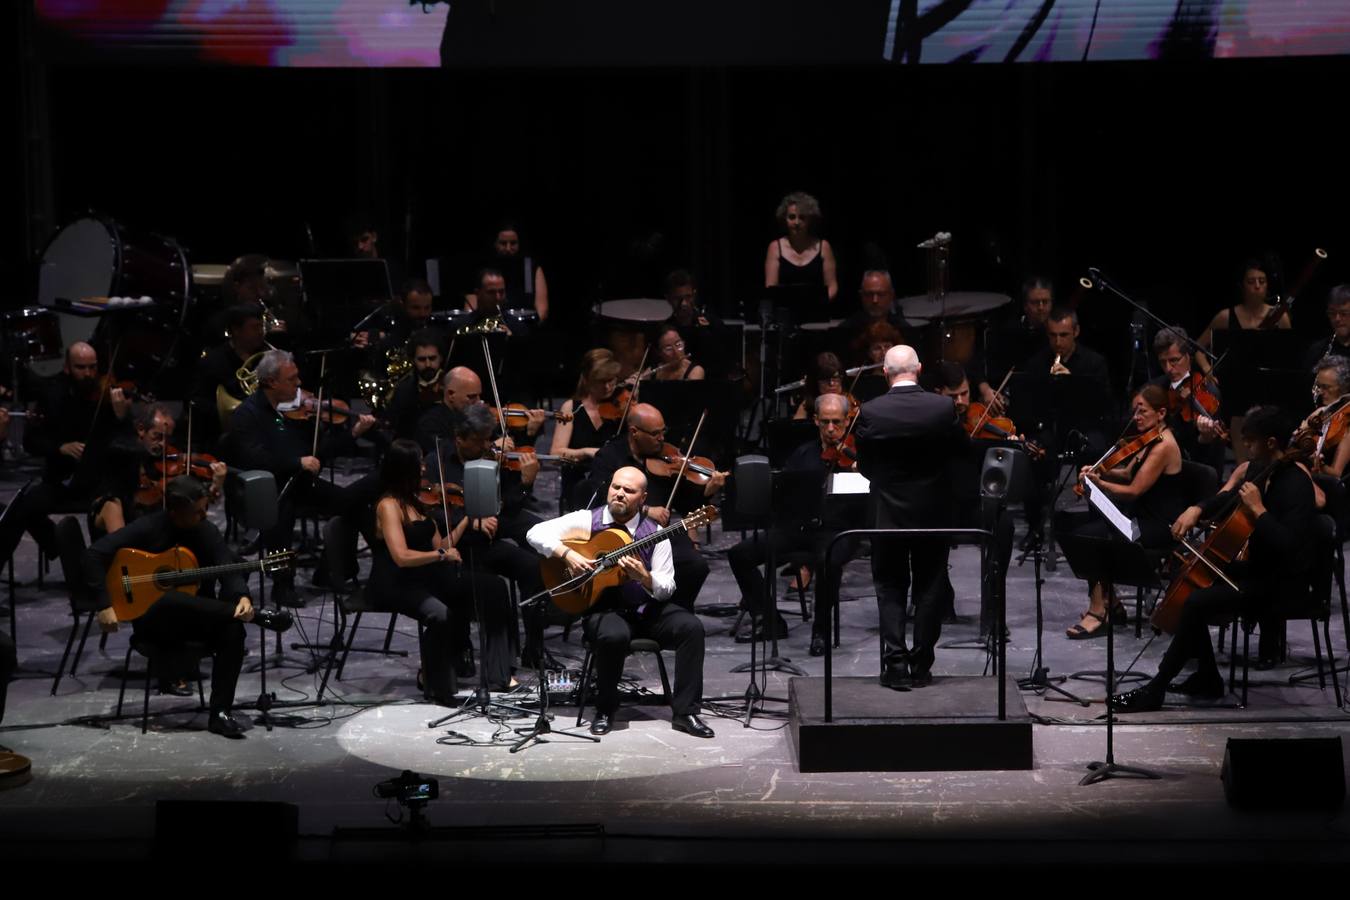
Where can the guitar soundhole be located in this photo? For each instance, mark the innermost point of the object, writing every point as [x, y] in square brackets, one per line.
[162, 578]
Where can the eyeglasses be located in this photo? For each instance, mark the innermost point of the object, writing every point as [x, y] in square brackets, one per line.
[655, 432]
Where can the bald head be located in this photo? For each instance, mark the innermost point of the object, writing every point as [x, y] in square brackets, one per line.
[646, 430]
[902, 362]
[463, 388]
[82, 361]
[627, 493]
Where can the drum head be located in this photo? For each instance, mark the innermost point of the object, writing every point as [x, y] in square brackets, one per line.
[956, 305]
[640, 310]
[80, 261]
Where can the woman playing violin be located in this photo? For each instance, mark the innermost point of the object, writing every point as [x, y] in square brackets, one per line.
[578, 439]
[134, 474]
[1280, 553]
[1150, 485]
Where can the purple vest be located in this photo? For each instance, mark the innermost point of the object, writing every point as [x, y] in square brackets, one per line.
[633, 594]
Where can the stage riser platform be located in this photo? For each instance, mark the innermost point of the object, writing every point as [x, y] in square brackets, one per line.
[950, 725]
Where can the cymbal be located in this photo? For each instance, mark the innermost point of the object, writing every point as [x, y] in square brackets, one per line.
[956, 305]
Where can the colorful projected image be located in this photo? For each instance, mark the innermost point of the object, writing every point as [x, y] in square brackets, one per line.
[687, 32]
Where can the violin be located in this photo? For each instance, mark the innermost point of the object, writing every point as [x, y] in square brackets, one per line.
[842, 456]
[612, 409]
[670, 460]
[511, 460]
[1196, 397]
[1122, 452]
[1331, 425]
[174, 463]
[517, 414]
[305, 408]
[982, 426]
[149, 492]
[429, 494]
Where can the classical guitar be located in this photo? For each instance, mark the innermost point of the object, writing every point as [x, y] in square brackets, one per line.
[607, 548]
[137, 578]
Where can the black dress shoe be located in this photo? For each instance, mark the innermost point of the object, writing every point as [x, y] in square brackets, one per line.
[224, 724]
[1141, 699]
[178, 688]
[1205, 685]
[464, 667]
[817, 645]
[896, 678]
[278, 620]
[691, 725]
[601, 724]
[920, 679]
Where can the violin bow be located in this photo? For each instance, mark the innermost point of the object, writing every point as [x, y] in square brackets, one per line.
[98, 407]
[445, 504]
[632, 395]
[318, 409]
[1217, 571]
[979, 423]
[684, 464]
[501, 411]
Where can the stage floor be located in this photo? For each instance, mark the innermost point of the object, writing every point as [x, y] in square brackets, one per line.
[646, 792]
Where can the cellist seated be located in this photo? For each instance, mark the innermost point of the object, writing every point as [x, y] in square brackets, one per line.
[1275, 492]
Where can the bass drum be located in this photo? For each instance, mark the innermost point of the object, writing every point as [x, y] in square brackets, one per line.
[97, 256]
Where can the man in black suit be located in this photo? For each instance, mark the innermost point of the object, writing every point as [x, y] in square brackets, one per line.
[905, 439]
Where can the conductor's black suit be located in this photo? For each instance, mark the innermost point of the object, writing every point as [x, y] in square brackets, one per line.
[906, 439]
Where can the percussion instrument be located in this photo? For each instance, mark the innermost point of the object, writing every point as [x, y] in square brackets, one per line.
[629, 327]
[959, 319]
[31, 334]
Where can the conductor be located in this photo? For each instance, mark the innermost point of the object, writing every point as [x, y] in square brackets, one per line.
[905, 438]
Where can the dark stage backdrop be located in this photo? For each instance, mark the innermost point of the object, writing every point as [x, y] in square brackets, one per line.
[1165, 175]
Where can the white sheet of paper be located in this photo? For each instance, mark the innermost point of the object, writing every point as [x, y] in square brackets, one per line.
[1121, 522]
[849, 483]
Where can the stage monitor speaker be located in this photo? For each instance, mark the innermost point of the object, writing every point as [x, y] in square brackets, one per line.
[754, 485]
[1004, 474]
[1292, 773]
[482, 489]
[257, 494]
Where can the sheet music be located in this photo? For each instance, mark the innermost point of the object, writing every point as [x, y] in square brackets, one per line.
[849, 483]
[1121, 522]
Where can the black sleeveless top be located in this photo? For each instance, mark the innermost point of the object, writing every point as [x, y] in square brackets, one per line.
[386, 578]
[584, 432]
[1159, 506]
[813, 273]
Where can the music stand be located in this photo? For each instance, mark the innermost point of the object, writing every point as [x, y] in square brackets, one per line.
[786, 435]
[1111, 562]
[341, 291]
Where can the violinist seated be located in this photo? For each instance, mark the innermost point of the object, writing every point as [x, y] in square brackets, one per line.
[1331, 382]
[177, 617]
[643, 447]
[965, 478]
[262, 437]
[218, 368]
[672, 363]
[136, 470]
[1148, 485]
[1193, 405]
[77, 416]
[461, 389]
[785, 537]
[417, 570]
[1279, 562]
[590, 418]
[498, 543]
[825, 377]
[1338, 315]
[420, 390]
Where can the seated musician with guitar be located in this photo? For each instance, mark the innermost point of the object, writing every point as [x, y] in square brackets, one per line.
[637, 606]
[1146, 479]
[128, 587]
[791, 535]
[1271, 501]
[643, 447]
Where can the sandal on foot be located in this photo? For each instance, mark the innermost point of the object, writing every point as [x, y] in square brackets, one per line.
[1079, 633]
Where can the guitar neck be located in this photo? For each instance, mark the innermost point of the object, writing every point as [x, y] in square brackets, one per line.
[186, 576]
[653, 538]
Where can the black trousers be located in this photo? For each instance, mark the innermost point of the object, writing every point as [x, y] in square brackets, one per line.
[747, 556]
[353, 502]
[177, 618]
[442, 598]
[971, 516]
[673, 627]
[33, 514]
[9, 662]
[1212, 605]
[898, 563]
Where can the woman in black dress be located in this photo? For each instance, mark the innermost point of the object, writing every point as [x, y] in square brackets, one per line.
[417, 572]
[1149, 487]
[799, 257]
[584, 430]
